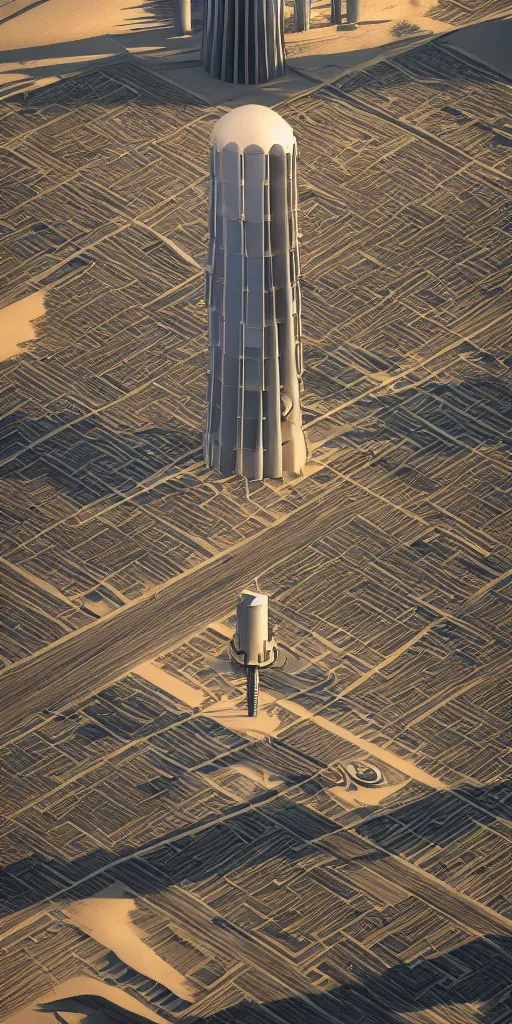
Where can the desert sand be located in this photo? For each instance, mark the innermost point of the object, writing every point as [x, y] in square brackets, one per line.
[45, 40]
[58, 21]
[78, 989]
[17, 323]
[56, 37]
[232, 715]
[220, 627]
[187, 694]
[243, 781]
[381, 16]
[266, 779]
[42, 42]
[362, 797]
[107, 918]
[402, 764]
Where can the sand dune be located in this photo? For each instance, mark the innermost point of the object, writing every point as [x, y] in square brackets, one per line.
[107, 918]
[79, 989]
[17, 323]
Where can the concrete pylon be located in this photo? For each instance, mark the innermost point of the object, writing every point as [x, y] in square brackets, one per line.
[243, 40]
[336, 12]
[183, 17]
[254, 422]
[302, 15]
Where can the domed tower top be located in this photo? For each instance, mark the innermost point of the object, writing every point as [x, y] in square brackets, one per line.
[253, 125]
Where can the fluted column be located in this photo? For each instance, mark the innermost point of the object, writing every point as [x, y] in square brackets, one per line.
[243, 40]
[254, 421]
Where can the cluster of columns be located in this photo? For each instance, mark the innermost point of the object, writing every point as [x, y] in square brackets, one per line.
[303, 13]
[243, 40]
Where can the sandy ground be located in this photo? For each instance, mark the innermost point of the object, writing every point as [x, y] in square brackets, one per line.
[107, 918]
[60, 35]
[232, 715]
[57, 37]
[228, 712]
[52, 38]
[385, 28]
[401, 764]
[17, 323]
[265, 779]
[58, 21]
[188, 695]
[220, 627]
[76, 990]
[363, 797]
[244, 781]
[382, 16]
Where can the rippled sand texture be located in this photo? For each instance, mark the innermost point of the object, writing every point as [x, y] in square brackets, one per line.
[69, 1002]
[107, 918]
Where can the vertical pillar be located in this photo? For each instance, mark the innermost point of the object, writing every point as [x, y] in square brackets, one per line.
[336, 9]
[354, 11]
[243, 40]
[183, 17]
[254, 420]
[302, 15]
[253, 644]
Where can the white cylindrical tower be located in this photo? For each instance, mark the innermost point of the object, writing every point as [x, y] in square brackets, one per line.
[253, 644]
[254, 422]
[252, 627]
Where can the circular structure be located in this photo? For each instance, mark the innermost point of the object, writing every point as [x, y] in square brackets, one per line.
[364, 774]
[239, 658]
[253, 644]
[253, 125]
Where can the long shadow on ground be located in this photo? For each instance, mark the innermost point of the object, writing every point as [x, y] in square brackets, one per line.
[474, 973]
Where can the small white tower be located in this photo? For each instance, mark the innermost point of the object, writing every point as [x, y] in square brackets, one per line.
[253, 644]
